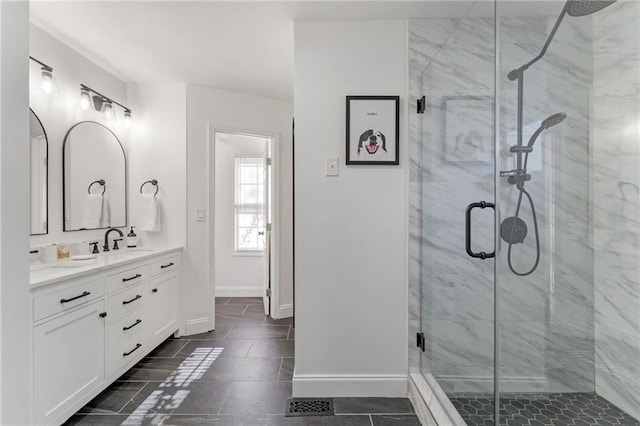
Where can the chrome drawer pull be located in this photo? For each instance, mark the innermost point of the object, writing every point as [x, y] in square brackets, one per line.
[84, 294]
[167, 265]
[132, 325]
[124, 280]
[138, 346]
[126, 302]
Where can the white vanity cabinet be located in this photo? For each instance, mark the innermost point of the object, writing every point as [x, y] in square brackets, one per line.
[165, 280]
[89, 330]
[68, 361]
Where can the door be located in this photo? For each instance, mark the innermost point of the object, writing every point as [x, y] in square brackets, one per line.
[266, 194]
[68, 361]
[452, 216]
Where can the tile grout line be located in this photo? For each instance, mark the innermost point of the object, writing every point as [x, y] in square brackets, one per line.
[227, 333]
[249, 351]
[226, 395]
[181, 348]
[131, 399]
[280, 370]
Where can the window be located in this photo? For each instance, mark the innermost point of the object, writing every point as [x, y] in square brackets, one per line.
[249, 204]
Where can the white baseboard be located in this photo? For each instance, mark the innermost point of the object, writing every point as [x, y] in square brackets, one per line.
[429, 394]
[197, 326]
[238, 291]
[321, 385]
[285, 311]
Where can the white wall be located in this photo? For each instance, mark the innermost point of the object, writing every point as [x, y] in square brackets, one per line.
[158, 151]
[15, 374]
[236, 275]
[59, 111]
[224, 110]
[351, 230]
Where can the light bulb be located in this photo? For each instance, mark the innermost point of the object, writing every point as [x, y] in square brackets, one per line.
[85, 99]
[47, 80]
[127, 119]
[107, 110]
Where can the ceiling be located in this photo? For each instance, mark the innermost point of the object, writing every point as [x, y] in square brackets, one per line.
[236, 45]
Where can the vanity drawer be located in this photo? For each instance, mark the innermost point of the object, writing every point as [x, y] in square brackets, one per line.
[167, 264]
[127, 301]
[126, 340]
[67, 298]
[127, 278]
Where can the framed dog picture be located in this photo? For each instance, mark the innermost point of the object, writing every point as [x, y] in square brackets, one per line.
[373, 130]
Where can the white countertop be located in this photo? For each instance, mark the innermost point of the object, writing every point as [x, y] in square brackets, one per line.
[43, 274]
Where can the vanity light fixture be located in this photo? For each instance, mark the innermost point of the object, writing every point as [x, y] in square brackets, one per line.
[46, 73]
[103, 104]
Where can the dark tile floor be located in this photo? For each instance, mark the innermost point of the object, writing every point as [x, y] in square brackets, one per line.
[550, 409]
[238, 375]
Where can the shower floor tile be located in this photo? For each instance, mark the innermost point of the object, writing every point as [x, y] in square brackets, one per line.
[552, 409]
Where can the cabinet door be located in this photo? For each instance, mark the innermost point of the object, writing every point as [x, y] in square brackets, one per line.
[68, 361]
[164, 306]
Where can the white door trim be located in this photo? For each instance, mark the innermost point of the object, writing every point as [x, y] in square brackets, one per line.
[275, 223]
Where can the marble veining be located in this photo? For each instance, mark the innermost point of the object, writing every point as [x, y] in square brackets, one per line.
[574, 324]
[616, 240]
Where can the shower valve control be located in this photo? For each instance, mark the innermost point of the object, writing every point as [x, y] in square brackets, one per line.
[515, 177]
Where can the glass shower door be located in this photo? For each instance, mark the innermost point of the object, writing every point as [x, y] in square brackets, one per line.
[456, 187]
[568, 277]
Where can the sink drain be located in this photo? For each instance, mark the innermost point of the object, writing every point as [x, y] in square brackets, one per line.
[302, 407]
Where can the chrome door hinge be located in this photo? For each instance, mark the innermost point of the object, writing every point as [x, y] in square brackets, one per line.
[268, 227]
[268, 161]
[268, 292]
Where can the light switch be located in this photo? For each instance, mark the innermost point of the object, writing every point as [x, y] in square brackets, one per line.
[200, 215]
[331, 167]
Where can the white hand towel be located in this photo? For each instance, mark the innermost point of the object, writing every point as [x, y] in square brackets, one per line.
[92, 215]
[149, 219]
[105, 213]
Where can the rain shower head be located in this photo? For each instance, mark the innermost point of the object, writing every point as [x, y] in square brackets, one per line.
[586, 7]
[547, 123]
[574, 8]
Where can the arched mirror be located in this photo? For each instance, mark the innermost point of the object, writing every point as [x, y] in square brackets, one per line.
[39, 151]
[94, 172]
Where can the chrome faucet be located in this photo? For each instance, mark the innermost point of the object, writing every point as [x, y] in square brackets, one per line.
[105, 247]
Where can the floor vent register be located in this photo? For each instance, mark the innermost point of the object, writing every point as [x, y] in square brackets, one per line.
[302, 407]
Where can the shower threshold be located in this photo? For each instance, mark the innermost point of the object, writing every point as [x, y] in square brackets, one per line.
[552, 409]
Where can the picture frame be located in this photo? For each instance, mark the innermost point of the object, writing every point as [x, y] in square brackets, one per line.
[373, 130]
[467, 133]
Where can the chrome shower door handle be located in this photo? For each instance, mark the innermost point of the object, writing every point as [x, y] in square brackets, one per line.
[470, 207]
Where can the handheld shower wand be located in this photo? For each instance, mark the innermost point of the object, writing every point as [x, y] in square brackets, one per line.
[513, 229]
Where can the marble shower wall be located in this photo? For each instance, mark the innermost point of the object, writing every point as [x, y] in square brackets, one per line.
[616, 204]
[547, 318]
[546, 327]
